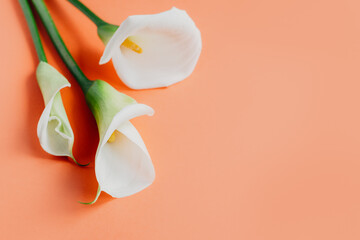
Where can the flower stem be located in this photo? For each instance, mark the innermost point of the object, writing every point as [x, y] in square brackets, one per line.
[96, 198]
[105, 30]
[90, 14]
[64, 53]
[33, 30]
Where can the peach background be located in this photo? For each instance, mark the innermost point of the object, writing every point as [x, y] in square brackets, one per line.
[261, 142]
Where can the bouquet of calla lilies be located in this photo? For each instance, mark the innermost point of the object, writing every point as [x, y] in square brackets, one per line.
[147, 51]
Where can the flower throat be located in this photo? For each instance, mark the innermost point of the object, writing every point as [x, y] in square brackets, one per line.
[128, 43]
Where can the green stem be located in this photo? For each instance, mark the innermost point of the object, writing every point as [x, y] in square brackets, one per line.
[33, 29]
[90, 14]
[55, 37]
[96, 198]
[105, 30]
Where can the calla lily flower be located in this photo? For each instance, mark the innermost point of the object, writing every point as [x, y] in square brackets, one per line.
[54, 130]
[151, 51]
[122, 163]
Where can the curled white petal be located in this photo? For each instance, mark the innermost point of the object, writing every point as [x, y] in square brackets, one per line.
[171, 45]
[124, 167]
[53, 130]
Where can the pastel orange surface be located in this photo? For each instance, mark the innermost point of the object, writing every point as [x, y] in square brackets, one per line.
[260, 142]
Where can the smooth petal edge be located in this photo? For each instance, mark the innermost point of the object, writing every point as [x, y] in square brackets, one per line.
[179, 22]
[58, 127]
[128, 27]
[44, 121]
[136, 177]
[127, 113]
[115, 41]
[50, 81]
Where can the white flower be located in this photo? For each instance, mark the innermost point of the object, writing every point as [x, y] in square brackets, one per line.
[54, 130]
[122, 163]
[151, 51]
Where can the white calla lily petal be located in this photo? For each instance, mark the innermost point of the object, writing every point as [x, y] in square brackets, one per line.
[170, 43]
[54, 131]
[123, 166]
